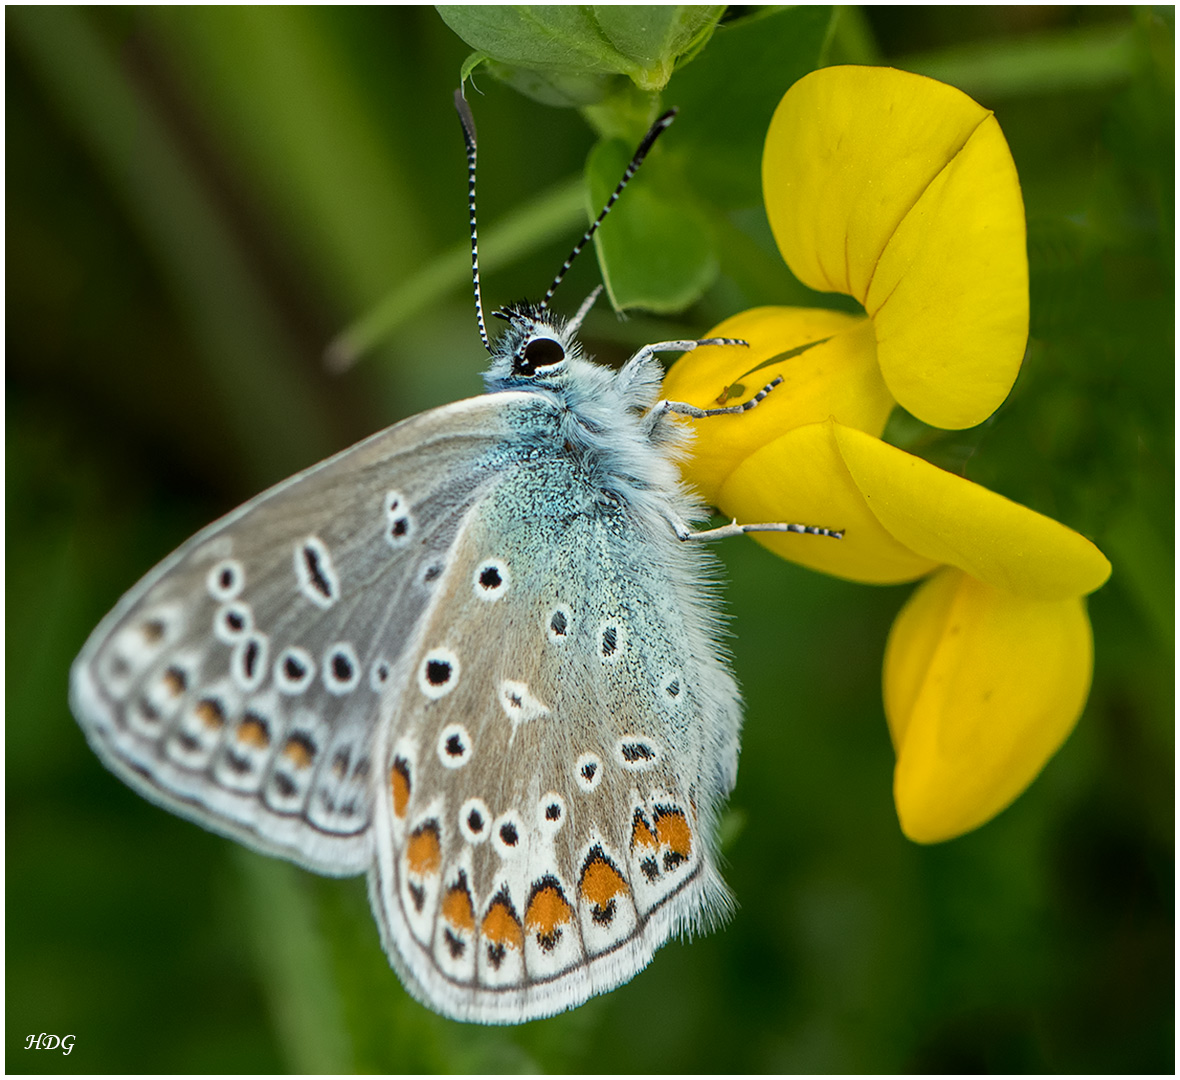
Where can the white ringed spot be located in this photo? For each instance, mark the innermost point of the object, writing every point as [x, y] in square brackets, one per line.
[550, 813]
[226, 580]
[454, 746]
[294, 670]
[519, 703]
[399, 523]
[438, 673]
[508, 835]
[588, 772]
[316, 573]
[233, 622]
[379, 674]
[637, 753]
[491, 579]
[248, 663]
[475, 821]
[341, 669]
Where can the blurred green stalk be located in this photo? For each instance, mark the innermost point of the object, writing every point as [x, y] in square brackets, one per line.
[292, 958]
[549, 216]
[271, 412]
[1042, 64]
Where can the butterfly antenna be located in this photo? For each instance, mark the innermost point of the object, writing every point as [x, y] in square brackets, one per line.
[656, 130]
[575, 324]
[468, 122]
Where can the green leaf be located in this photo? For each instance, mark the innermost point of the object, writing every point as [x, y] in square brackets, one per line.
[561, 37]
[625, 114]
[649, 33]
[569, 54]
[655, 252]
[656, 36]
[563, 89]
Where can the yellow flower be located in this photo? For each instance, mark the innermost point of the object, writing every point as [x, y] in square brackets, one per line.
[900, 191]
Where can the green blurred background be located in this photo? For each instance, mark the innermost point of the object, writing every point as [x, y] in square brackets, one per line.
[200, 200]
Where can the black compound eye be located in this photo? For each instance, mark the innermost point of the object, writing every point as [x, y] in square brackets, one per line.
[538, 353]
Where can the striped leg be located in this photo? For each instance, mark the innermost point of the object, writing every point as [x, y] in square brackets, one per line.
[683, 532]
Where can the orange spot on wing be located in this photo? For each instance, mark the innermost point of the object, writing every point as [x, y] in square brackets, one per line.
[457, 908]
[175, 681]
[424, 851]
[672, 829]
[641, 834]
[253, 733]
[298, 751]
[399, 780]
[548, 909]
[210, 713]
[501, 926]
[601, 882]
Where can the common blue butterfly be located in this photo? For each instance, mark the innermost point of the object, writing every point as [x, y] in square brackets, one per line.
[474, 656]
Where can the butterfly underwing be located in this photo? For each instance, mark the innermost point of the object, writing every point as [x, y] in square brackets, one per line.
[475, 657]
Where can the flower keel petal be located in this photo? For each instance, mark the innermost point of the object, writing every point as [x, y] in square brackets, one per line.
[800, 478]
[948, 519]
[981, 689]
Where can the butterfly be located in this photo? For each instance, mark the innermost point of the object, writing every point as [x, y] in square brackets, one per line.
[474, 656]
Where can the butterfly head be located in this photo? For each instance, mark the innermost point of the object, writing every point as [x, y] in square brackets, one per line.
[536, 349]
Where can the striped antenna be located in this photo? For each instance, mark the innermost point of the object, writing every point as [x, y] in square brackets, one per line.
[656, 130]
[468, 122]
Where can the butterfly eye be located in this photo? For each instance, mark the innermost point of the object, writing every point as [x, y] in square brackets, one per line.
[538, 353]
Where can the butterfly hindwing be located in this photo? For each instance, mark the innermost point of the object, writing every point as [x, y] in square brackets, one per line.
[547, 795]
[238, 684]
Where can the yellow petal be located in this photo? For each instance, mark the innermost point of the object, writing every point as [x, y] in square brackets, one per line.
[901, 192]
[981, 689]
[833, 373]
[801, 478]
[948, 519]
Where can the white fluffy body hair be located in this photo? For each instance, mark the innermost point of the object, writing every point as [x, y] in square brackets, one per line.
[629, 448]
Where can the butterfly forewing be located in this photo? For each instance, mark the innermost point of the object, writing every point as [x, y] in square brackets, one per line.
[239, 683]
[547, 793]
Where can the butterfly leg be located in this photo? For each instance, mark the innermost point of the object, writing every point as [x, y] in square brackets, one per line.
[684, 346]
[648, 351]
[684, 532]
[663, 407]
